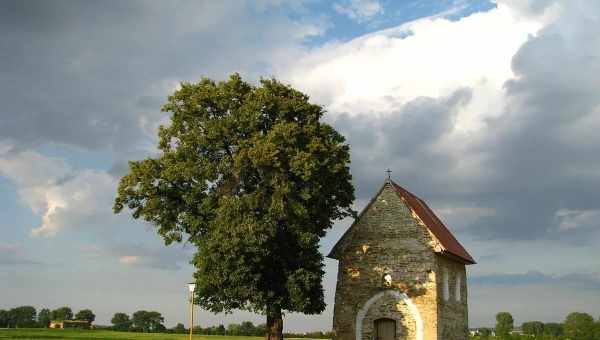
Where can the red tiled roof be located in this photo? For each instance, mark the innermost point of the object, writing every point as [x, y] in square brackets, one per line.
[434, 224]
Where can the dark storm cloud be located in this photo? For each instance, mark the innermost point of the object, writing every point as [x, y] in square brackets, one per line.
[94, 73]
[543, 150]
[402, 140]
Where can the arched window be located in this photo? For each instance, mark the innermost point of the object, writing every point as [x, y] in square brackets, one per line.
[446, 292]
[457, 296]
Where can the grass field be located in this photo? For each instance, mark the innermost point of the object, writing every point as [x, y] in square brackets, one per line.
[73, 334]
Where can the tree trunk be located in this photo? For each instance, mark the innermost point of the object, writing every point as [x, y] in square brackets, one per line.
[274, 324]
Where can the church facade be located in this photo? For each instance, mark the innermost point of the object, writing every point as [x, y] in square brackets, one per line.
[401, 273]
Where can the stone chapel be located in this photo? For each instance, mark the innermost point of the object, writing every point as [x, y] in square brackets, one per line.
[401, 273]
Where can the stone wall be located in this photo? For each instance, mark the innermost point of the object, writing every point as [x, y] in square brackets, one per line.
[387, 239]
[452, 310]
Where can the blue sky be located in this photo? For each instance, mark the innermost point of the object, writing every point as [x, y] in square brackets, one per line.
[487, 110]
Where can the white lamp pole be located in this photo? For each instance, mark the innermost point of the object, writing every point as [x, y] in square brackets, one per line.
[191, 287]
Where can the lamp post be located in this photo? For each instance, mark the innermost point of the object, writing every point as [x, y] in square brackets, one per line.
[191, 287]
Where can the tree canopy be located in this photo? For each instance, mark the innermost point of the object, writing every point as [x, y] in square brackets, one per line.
[44, 317]
[148, 321]
[579, 326]
[19, 317]
[535, 328]
[62, 313]
[121, 322]
[85, 314]
[254, 178]
[504, 324]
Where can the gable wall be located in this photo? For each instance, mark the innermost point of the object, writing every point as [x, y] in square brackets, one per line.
[453, 318]
[387, 239]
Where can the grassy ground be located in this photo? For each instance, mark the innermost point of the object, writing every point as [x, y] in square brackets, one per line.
[73, 334]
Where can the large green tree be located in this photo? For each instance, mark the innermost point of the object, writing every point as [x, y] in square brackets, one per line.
[579, 326]
[553, 329]
[23, 316]
[533, 328]
[44, 317]
[121, 322]
[85, 314]
[4, 318]
[148, 321]
[62, 313]
[254, 178]
[504, 324]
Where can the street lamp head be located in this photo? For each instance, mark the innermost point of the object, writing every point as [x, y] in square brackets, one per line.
[192, 286]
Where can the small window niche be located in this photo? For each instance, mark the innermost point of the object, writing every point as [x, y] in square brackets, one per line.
[457, 295]
[446, 292]
[387, 280]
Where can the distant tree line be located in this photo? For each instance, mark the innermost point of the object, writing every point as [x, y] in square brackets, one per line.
[28, 317]
[246, 328]
[577, 326]
[140, 321]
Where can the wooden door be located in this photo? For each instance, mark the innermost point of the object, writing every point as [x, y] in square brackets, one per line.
[385, 329]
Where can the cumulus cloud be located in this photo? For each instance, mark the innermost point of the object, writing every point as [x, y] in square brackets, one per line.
[428, 57]
[529, 69]
[359, 10]
[492, 118]
[62, 196]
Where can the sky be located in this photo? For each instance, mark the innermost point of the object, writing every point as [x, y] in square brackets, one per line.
[488, 110]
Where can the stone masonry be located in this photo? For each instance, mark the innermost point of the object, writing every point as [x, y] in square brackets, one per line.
[392, 266]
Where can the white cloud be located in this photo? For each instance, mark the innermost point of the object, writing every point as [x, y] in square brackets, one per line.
[428, 57]
[359, 10]
[60, 195]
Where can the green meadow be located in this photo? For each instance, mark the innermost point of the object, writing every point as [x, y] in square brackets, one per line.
[74, 334]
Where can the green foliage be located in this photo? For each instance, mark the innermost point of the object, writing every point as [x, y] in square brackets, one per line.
[148, 321]
[23, 316]
[62, 313]
[85, 314]
[485, 332]
[534, 328]
[247, 328]
[44, 317]
[553, 329]
[504, 324]
[579, 326]
[234, 329]
[121, 322]
[4, 318]
[179, 328]
[254, 179]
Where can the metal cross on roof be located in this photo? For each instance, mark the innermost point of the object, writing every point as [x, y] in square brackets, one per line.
[389, 173]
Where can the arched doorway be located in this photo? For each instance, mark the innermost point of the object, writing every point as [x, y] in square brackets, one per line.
[367, 331]
[385, 329]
